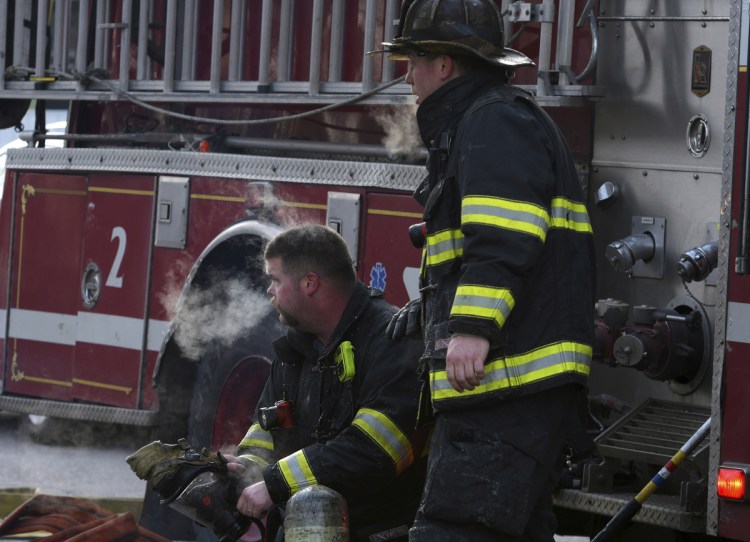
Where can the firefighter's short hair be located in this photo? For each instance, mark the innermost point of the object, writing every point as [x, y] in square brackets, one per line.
[316, 248]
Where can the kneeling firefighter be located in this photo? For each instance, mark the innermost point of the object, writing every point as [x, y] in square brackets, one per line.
[339, 407]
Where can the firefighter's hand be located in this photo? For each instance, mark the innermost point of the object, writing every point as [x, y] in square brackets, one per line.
[234, 464]
[464, 362]
[246, 471]
[254, 501]
[407, 322]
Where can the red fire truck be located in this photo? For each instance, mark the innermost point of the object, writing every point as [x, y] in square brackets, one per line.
[131, 282]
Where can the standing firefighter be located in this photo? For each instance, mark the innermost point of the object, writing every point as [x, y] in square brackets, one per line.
[339, 408]
[507, 280]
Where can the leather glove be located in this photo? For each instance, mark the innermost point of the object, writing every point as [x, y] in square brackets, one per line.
[407, 322]
[160, 464]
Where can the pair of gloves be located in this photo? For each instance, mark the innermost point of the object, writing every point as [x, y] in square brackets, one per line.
[407, 322]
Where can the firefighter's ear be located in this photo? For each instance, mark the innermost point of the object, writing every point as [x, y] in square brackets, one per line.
[310, 282]
[446, 66]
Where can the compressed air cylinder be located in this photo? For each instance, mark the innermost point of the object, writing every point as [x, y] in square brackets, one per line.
[316, 514]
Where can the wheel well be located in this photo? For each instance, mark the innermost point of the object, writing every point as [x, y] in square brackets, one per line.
[239, 395]
[238, 260]
[240, 257]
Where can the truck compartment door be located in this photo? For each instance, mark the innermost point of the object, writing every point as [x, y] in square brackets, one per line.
[44, 267]
[113, 283]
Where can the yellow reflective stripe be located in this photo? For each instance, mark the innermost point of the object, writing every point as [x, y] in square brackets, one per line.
[257, 438]
[512, 371]
[507, 214]
[255, 459]
[443, 246]
[570, 215]
[387, 435]
[296, 472]
[483, 302]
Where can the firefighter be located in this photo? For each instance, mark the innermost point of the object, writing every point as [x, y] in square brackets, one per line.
[339, 407]
[507, 280]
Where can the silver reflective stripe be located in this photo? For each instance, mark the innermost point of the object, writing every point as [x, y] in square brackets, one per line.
[571, 215]
[258, 438]
[387, 435]
[444, 246]
[507, 214]
[297, 472]
[504, 373]
[483, 302]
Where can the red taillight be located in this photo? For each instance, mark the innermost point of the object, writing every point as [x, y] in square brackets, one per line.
[731, 483]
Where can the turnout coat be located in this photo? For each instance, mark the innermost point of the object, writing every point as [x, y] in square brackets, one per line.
[509, 251]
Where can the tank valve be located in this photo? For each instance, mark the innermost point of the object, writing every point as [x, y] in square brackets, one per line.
[697, 263]
[624, 253]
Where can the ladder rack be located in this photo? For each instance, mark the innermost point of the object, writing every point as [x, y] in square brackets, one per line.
[254, 51]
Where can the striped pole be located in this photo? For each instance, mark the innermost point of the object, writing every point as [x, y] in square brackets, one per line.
[633, 506]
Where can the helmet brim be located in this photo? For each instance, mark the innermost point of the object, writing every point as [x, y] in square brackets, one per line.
[506, 57]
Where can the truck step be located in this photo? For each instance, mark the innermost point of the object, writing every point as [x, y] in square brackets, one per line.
[653, 432]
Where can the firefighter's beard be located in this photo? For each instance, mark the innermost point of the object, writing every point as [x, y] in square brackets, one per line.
[285, 317]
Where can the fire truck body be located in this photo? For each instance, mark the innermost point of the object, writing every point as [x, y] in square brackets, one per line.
[132, 279]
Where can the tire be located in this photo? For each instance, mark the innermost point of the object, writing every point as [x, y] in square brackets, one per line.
[40, 429]
[51, 431]
[228, 385]
[48, 430]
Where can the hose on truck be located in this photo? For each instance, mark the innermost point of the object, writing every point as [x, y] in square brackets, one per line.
[99, 77]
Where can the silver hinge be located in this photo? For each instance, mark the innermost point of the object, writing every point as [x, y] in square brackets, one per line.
[523, 12]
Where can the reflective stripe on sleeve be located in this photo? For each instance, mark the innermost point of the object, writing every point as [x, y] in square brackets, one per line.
[570, 215]
[513, 371]
[443, 246]
[296, 472]
[387, 435]
[255, 459]
[257, 438]
[483, 302]
[507, 214]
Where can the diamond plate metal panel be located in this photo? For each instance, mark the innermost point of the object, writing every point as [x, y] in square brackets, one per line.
[292, 170]
[714, 457]
[659, 510]
[76, 411]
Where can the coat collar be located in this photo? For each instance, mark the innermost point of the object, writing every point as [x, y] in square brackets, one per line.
[442, 109]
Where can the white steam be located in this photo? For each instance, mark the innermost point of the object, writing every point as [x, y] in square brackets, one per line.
[402, 133]
[225, 311]
[170, 295]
